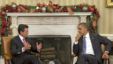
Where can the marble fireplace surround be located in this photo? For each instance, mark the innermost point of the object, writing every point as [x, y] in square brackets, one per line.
[49, 23]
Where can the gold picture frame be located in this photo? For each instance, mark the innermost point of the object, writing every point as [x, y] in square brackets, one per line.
[109, 3]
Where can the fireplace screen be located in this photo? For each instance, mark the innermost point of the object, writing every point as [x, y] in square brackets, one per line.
[56, 48]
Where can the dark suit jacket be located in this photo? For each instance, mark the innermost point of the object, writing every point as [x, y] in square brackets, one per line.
[16, 47]
[96, 41]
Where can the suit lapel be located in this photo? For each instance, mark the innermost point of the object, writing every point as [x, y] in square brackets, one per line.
[19, 40]
[92, 40]
[81, 43]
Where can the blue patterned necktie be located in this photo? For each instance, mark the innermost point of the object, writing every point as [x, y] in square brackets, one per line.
[84, 45]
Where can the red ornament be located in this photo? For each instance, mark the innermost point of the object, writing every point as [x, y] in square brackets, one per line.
[91, 8]
[81, 6]
[64, 9]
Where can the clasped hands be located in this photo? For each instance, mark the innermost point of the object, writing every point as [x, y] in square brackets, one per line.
[27, 45]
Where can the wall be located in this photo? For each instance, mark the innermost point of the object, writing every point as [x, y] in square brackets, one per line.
[105, 21]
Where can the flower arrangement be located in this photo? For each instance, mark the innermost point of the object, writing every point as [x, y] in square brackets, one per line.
[42, 8]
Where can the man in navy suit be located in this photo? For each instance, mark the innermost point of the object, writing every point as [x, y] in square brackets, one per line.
[88, 46]
[22, 46]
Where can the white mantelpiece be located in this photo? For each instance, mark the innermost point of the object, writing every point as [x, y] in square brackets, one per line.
[50, 14]
[49, 23]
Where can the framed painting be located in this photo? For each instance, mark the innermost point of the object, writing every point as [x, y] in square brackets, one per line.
[110, 3]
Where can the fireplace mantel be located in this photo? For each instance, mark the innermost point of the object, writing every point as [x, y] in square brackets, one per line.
[49, 14]
[14, 16]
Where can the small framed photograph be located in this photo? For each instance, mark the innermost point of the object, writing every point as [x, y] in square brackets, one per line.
[109, 3]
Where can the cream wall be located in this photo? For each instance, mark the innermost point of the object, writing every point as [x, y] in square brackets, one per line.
[105, 22]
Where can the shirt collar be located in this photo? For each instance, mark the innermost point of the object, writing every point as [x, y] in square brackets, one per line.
[87, 35]
[21, 37]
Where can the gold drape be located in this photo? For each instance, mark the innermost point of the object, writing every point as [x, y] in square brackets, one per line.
[105, 24]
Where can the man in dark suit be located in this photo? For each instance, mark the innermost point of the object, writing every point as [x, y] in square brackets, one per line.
[22, 46]
[88, 46]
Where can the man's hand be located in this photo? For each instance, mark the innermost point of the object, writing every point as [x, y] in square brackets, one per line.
[27, 46]
[39, 46]
[77, 37]
[105, 55]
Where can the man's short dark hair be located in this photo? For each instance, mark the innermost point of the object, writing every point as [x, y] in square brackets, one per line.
[84, 25]
[21, 27]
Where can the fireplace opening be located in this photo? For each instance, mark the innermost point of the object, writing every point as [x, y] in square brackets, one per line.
[56, 48]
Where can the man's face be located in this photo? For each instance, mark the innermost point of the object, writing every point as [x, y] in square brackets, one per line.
[82, 30]
[25, 32]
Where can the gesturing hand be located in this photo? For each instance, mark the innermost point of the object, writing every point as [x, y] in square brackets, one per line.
[26, 45]
[39, 46]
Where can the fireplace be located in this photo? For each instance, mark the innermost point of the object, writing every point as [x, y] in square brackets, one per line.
[56, 48]
[51, 24]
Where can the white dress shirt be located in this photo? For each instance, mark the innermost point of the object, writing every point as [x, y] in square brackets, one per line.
[22, 38]
[89, 47]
